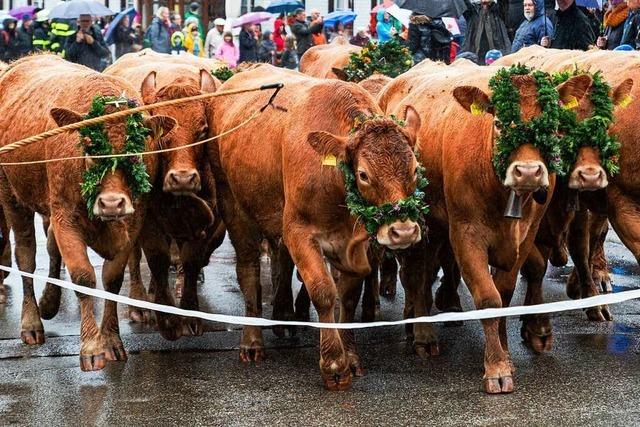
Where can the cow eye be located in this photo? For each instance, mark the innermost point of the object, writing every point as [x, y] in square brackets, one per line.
[363, 176]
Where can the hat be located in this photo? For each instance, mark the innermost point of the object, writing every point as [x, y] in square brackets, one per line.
[492, 56]
[624, 47]
[468, 55]
[194, 5]
[42, 16]
[219, 21]
[26, 17]
[191, 20]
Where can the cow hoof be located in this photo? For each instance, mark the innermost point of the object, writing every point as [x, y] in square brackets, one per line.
[138, 315]
[538, 343]
[573, 286]
[337, 382]
[426, 350]
[116, 353]
[355, 364]
[32, 337]
[446, 301]
[281, 330]
[256, 354]
[170, 326]
[599, 314]
[498, 385]
[92, 362]
[192, 326]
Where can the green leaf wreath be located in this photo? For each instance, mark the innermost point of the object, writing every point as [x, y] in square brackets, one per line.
[541, 131]
[223, 73]
[592, 131]
[390, 59]
[413, 207]
[95, 142]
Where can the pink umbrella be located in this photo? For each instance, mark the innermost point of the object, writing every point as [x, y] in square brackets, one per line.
[385, 4]
[252, 18]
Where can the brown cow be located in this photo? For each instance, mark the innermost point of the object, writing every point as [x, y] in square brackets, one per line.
[277, 186]
[467, 203]
[375, 83]
[185, 195]
[327, 61]
[48, 83]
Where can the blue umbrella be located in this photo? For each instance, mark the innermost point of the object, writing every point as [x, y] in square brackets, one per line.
[595, 4]
[284, 6]
[74, 8]
[343, 16]
[131, 13]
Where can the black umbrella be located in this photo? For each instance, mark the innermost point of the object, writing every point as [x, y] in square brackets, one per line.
[435, 8]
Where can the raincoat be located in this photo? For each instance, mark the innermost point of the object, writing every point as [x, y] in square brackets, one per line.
[486, 30]
[532, 32]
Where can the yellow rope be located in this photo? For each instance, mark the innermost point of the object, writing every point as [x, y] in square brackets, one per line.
[118, 114]
[145, 153]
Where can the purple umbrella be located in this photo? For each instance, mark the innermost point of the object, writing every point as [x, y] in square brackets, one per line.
[252, 18]
[20, 11]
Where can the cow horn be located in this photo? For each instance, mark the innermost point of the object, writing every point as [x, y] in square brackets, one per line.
[514, 206]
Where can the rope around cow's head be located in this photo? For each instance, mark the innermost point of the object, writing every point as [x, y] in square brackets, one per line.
[101, 119]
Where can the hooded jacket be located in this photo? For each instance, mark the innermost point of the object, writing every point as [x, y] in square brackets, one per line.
[383, 29]
[486, 30]
[532, 32]
[266, 48]
[573, 30]
[9, 43]
[631, 31]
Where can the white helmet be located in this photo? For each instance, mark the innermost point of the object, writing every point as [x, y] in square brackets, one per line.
[219, 21]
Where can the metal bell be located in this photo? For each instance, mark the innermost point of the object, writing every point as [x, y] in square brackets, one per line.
[514, 206]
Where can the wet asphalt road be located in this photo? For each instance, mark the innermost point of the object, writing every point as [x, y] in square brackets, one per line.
[590, 378]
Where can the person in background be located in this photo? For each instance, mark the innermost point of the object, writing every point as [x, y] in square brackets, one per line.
[573, 30]
[25, 35]
[192, 40]
[318, 37]
[631, 32]
[361, 38]
[87, 47]
[486, 29]
[338, 31]
[614, 19]
[194, 12]
[279, 32]
[41, 33]
[248, 44]
[176, 23]
[124, 37]
[290, 58]
[61, 31]
[228, 51]
[267, 49]
[177, 43]
[159, 32]
[385, 26]
[9, 46]
[534, 28]
[302, 30]
[215, 37]
[491, 56]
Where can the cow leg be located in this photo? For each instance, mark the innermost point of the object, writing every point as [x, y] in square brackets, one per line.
[536, 329]
[136, 287]
[303, 302]
[415, 267]
[473, 260]
[112, 277]
[388, 275]
[370, 296]
[447, 298]
[307, 255]
[349, 289]
[598, 229]
[5, 251]
[578, 241]
[21, 219]
[50, 299]
[191, 259]
[74, 252]
[281, 273]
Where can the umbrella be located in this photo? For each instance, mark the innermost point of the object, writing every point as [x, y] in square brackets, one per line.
[20, 11]
[385, 5]
[343, 16]
[435, 9]
[74, 8]
[595, 4]
[284, 6]
[131, 13]
[252, 18]
[401, 15]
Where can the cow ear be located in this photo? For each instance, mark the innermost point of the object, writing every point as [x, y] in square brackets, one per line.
[64, 117]
[207, 82]
[412, 124]
[574, 89]
[340, 74]
[622, 93]
[148, 88]
[327, 144]
[473, 100]
[160, 126]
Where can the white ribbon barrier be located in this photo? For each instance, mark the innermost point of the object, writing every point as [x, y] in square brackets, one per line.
[488, 313]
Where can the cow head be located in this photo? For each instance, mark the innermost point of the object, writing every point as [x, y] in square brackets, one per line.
[114, 199]
[380, 153]
[180, 167]
[526, 171]
[587, 173]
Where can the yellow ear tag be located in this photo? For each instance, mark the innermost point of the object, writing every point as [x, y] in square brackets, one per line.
[573, 103]
[625, 101]
[476, 109]
[329, 160]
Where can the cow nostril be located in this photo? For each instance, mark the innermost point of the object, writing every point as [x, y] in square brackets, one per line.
[393, 233]
[174, 177]
[538, 172]
[121, 204]
[192, 178]
[518, 172]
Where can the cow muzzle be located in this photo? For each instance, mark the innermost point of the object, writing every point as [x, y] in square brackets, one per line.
[588, 178]
[112, 206]
[526, 176]
[181, 182]
[399, 234]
